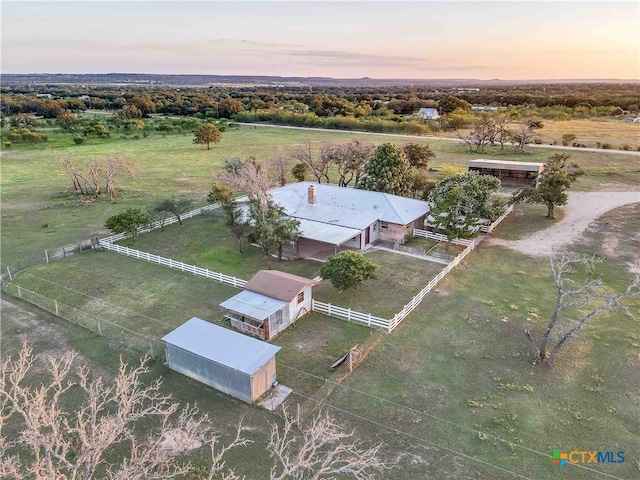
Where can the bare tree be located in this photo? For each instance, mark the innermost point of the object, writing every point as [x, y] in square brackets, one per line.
[250, 177]
[587, 299]
[323, 450]
[73, 173]
[319, 164]
[281, 162]
[350, 158]
[78, 427]
[479, 136]
[524, 134]
[115, 165]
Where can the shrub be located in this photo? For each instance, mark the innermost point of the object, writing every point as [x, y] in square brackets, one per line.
[79, 140]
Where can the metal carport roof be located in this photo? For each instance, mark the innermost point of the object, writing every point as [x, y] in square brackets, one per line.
[222, 345]
[325, 232]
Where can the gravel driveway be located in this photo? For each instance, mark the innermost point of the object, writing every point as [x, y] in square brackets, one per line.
[581, 209]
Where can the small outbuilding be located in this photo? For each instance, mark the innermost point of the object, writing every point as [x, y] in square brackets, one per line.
[271, 301]
[509, 172]
[235, 364]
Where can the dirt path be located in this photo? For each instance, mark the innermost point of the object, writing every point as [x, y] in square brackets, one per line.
[582, 209]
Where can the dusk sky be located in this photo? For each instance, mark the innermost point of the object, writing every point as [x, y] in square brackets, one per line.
[422, 39]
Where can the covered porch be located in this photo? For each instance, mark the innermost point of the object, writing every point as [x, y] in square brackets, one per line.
[249, 312]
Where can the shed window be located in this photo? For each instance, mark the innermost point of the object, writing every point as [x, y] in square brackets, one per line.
[384, 225]
[301, 297]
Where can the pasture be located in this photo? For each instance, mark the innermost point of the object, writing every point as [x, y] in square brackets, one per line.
[452, 392]
[39, 210]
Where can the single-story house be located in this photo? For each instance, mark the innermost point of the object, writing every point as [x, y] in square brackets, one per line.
[509, 172]
[331, 216]
[235, 364]
[270, 302]
[428, 114]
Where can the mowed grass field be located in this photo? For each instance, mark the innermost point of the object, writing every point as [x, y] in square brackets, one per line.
[456, 375]
[40, 212]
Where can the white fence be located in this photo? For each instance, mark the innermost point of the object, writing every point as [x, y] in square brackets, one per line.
[161, 223]
[415, 301]
[489, 228]
[440, 238]
[350, 315]
[167, 262]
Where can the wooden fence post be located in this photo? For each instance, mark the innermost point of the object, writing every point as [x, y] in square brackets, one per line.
[9, 272]
[99, 327]
[123, 342]
[46, 255]
[151, 350]
[64, 252]
[19, 291]
[55, 304]
[75, 314]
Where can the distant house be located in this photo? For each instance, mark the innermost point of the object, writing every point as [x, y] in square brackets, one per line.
[270, 302]
[636, 120]
[331, 216]
[509, 172]
[44, 95]
[484, 108]
[235, 364]
[428, 114]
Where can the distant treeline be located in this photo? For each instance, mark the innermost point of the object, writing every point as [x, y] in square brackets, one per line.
[224, 102]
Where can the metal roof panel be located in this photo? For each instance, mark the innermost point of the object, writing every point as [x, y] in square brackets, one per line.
[222, 345]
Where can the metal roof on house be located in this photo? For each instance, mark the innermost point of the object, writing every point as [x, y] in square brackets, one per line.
[253, 304]
[428, 111]
[507, 165]
[222, 345]
[337, 215]
[388, 208]
[276, 284]
[325, 232]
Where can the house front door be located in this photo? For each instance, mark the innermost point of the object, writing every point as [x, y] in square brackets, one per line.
[366, 236]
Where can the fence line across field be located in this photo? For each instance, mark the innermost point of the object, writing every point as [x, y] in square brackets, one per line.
[110, 330]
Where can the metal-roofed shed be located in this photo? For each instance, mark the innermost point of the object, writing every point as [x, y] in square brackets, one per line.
[231, 362]
[509, 172]
[271, 301]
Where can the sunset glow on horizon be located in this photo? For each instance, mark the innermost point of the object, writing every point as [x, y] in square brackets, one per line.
[427, 39]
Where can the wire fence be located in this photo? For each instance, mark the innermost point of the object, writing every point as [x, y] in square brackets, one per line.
[91, 320]
[356, 355]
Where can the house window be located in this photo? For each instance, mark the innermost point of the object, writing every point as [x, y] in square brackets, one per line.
[384, 225]
[301, 297]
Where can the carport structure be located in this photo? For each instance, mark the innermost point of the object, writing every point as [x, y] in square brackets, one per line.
[509, 172]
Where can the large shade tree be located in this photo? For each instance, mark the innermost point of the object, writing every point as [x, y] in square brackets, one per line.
[207, 134]
[388, 171]
[558, 175]
[460, 202]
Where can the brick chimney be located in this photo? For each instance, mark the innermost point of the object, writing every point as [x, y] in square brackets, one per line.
[312, 195]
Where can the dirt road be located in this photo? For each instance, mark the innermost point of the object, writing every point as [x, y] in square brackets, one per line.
[582, 209]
